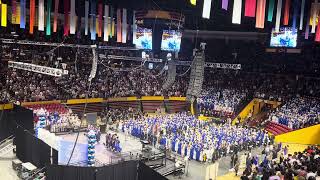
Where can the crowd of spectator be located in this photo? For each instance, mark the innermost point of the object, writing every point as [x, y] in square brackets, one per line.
[278, 164]
[297, 113]
[220, 102]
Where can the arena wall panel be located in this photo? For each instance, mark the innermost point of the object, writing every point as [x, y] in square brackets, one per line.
[309, 135]
[40, 102]
[6, 106]
[83, 101]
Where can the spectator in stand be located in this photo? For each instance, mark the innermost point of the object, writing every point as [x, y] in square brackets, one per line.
[298, 113]
[300, 165]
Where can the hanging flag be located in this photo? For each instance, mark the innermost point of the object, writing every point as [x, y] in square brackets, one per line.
[134, 27]
[22, 14]
[270, 10]
[314, 10]
[55, 17]
[86, 17]
[306, 34]
[14, 7]
[124, 25]
[295, 14]
[302, 14]
[14, 11]
[119, 33]
[250, 8]
[3, 15]
[41, 15]
[317, 39]
[225, 4]
[32, 15]
[236, 14]
[72, 17]
[206, 9]
[66, 8]
[100, 12]
[261, 11]
[48, 24]
[278, 16]
[15, 18]
[106, 23]
[93, 20]
[112, 22]
[286, 12]
[193, 2]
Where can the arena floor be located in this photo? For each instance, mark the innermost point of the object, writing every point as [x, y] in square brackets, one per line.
[196, 170]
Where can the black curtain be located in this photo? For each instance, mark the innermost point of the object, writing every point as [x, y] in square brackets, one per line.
[121, 171]
[23, 117]
[145, 172]
[58, 172]
[54, 156]
[31, 149]
[21, 146]
[6, 124]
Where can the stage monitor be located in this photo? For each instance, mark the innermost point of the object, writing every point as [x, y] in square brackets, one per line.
[286, 37]
[143, 38]
[171, 40]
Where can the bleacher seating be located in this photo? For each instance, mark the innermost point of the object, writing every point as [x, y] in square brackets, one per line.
[51, 108]
[276, 128]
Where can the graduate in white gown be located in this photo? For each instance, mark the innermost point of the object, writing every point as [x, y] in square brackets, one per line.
[176, 145]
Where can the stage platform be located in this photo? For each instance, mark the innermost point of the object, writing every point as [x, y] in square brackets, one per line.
[105, 156]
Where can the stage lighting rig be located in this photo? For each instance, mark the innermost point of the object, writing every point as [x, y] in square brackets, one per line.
[37, 69]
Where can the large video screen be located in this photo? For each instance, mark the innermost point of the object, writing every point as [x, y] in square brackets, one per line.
[171, 40]
[286, 37]
[143, 39]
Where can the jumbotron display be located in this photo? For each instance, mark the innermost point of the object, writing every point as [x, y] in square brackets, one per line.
[286, 37]
[171, 40]
[143, 38]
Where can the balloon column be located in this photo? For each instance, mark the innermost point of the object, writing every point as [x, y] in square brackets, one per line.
[41, 121]
[91, 147]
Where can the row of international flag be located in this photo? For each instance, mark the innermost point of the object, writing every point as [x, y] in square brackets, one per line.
[259, 9]
[100, 20]
[102, 17]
